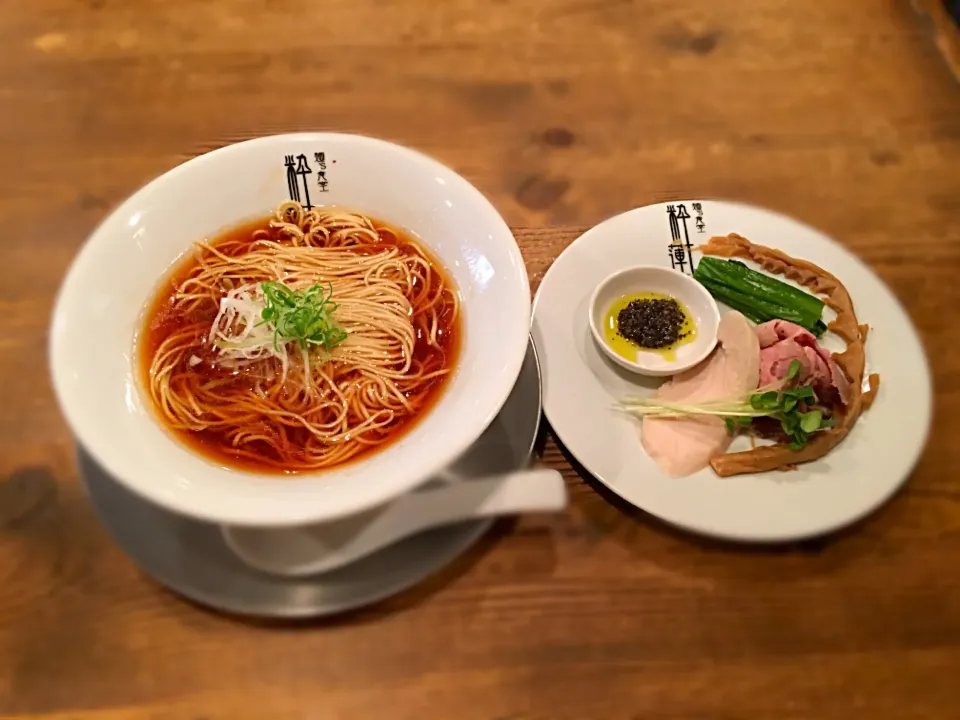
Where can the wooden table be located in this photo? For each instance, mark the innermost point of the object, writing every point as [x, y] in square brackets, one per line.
[842, 114]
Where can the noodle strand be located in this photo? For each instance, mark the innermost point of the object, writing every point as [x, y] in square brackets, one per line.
[321, 409]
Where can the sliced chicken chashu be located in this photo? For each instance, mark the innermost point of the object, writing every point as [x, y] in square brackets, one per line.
[681, 446]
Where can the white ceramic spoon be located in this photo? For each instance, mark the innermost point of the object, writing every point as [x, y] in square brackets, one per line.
[314, 549]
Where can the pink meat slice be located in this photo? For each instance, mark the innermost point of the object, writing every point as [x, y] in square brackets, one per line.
[681, 446]
[775, 362]
[781, 342]
[767, 334]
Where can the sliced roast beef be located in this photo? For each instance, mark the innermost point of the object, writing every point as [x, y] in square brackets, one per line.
[782, 342]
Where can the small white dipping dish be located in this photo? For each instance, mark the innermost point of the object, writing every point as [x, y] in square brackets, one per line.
[687, 291]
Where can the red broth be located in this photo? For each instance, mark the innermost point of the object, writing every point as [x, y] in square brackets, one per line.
[161, 321]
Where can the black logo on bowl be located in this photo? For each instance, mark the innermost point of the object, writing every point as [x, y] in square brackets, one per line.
[298, 177]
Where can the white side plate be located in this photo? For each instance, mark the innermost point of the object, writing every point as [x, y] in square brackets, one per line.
[581, 385]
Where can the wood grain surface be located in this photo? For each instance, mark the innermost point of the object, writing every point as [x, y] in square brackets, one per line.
[563, 112]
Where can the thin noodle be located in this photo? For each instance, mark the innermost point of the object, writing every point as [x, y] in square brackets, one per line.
[316, 412]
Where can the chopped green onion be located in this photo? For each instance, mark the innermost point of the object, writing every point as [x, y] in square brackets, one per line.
[301, 316]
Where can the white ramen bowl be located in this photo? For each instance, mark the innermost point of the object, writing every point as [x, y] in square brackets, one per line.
[118, 270]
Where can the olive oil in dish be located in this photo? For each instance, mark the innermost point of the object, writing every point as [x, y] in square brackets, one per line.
[648, 322]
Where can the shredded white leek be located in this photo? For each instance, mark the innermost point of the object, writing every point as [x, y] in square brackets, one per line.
[738, 406]
[239, 332]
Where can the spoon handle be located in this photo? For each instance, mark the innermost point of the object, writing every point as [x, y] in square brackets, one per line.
[522, 491]
[540, 490]
[325, 547]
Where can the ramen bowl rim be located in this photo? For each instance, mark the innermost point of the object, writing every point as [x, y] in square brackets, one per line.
[306, 509]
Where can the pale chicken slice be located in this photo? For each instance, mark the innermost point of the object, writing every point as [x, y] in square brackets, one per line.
[681, 446]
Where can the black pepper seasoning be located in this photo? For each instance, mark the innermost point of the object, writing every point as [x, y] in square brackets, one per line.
[652, 323]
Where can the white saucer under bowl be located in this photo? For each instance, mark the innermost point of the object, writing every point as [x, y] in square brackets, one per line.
[191, 558]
